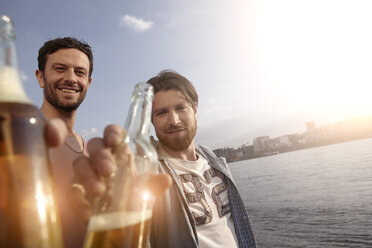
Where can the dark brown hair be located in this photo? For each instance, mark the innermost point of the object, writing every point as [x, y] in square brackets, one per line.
[52, 46]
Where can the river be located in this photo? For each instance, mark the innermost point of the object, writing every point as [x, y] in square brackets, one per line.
[319, 197]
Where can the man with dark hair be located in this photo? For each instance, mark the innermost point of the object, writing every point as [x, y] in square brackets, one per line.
[203, 207]
[64, 72]
[52, 46]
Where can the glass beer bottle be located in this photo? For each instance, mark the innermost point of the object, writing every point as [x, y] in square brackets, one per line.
[122, 215]
[28, 215]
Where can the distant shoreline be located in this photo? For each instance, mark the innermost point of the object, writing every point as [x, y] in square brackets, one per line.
[297, 149]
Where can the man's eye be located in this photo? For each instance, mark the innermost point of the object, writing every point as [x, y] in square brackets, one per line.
[80, 73]
[60, 69]
[160, 113]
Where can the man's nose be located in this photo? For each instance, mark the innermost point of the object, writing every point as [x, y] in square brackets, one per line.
[173, 118]
[70, 76]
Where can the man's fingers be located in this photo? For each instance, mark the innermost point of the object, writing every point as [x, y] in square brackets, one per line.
[101, 158]
[95, 144]
[92, 182]
[112, 135]
[79, 204]
[55, 132]
[158, 184]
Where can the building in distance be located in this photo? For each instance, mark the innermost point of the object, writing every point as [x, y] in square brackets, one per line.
[348, 130]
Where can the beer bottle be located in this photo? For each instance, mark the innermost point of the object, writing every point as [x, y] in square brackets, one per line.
[122, 215]
[28, 215]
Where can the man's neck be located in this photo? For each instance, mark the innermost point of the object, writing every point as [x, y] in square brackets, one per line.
[188, 154]
[50, 112]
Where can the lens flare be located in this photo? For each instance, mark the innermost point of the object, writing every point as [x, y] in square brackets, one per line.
[146, 195]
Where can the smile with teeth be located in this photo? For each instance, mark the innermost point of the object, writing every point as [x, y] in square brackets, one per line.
[68, 90]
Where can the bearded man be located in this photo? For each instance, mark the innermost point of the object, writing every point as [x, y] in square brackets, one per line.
[202, 208]
[64, 72]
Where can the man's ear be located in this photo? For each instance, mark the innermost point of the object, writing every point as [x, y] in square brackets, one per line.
[89, 81]
[40, 78]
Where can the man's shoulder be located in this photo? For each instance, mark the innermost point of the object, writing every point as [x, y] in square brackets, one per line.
[206, 150]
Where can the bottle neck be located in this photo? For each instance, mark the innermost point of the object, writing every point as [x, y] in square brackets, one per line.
[11, 88]
[8, 56]
[139, 118]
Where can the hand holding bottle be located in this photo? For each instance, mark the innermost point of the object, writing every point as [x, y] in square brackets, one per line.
[91, 172]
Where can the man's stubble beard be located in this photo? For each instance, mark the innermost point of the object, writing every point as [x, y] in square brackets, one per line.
[179, 143]
[52, 98]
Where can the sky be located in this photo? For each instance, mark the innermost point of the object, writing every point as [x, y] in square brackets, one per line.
[261, 67]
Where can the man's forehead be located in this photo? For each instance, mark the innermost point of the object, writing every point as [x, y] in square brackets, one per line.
[171, 94]
[67, 53]
[164, 98]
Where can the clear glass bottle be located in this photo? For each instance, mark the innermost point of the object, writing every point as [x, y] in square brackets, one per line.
[122, 215]
[28, 216]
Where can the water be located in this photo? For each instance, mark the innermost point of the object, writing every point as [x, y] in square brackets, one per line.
[319, 197]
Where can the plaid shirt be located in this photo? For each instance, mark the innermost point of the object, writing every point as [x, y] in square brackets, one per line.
[173, 224]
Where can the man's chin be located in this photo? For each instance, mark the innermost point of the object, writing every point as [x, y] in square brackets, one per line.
[68, 107]
[175, 144]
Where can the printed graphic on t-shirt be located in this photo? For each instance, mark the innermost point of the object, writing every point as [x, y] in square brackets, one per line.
[198, 196]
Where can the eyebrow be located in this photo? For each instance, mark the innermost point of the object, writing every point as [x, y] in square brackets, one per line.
[179, 104]
[62, 64]
[58, 64]
[159, 110]
[80, 68]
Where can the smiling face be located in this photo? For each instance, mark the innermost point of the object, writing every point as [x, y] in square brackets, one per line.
[65, 79]
[174, 120]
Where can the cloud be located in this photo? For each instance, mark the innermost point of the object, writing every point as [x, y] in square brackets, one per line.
[87, 133]
[134, 23]
[211, 100]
